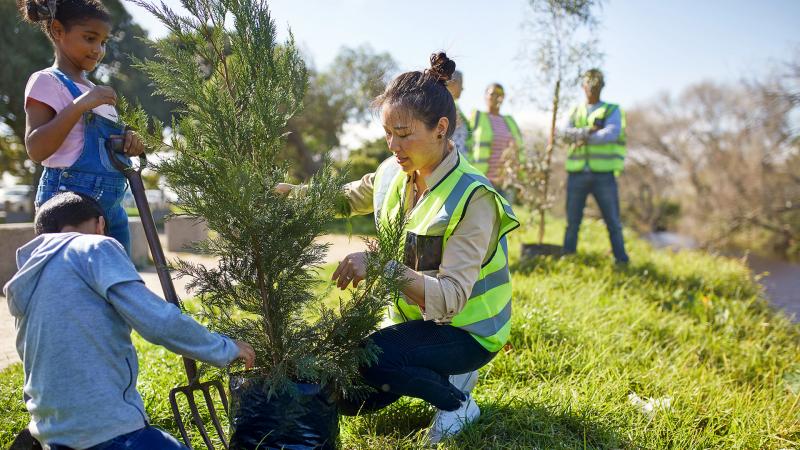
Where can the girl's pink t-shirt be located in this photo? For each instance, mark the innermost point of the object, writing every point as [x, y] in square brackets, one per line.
[45, 87]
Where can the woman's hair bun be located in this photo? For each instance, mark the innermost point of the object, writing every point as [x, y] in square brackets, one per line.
[442, 67]
[35, 11]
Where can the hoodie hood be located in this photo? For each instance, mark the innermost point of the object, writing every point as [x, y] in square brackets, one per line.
[31, 261]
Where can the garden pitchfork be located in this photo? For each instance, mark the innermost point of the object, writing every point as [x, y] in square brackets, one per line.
[134, 176]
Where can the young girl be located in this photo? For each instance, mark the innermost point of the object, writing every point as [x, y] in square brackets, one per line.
[69, 118]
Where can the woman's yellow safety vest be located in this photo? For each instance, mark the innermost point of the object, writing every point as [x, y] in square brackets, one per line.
[487, 313]
[602, 157]
[482, 135]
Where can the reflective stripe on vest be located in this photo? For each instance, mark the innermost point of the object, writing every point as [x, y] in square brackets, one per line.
[482, 135]
[487, 313]
[598, 157]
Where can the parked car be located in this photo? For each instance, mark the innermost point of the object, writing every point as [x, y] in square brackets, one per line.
[156, 198]
[16, 199]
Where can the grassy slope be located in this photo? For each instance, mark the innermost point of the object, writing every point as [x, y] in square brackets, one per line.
[686, 326]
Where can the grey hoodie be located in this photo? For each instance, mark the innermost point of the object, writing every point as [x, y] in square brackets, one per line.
[75, 299]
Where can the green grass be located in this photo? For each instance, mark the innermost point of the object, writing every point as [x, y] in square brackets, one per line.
[356, 225]
[586, 334]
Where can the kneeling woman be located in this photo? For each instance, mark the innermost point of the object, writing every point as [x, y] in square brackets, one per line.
[455, 313]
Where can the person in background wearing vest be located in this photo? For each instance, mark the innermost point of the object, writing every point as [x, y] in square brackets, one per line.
[596, 135]
[492, 134]
[462, 137]
[455, 312]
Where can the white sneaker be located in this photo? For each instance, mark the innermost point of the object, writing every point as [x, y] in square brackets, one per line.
[450, 423]
[465, 382]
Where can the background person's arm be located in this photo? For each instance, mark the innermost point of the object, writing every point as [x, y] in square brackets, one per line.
[570, 133]
[610, 131]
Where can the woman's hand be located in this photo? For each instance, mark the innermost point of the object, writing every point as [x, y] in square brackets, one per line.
[352, 268]
[284, 188]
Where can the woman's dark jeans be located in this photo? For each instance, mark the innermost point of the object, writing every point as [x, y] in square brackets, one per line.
[416, 359]
[603, 186]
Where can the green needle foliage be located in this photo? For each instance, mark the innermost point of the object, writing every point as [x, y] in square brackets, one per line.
[237, 87]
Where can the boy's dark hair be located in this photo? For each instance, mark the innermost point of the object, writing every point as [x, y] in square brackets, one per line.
[68, 12]
[65, 209]
[425, 93]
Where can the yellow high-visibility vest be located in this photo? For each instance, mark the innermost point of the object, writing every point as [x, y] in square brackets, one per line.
[597, 157]
[487, 313]
[482, 135]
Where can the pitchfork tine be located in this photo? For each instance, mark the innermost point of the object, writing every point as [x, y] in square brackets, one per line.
[198, 421]
[178, 418]
[213, 412]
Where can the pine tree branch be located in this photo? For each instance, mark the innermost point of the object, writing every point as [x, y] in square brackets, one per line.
[220, 55]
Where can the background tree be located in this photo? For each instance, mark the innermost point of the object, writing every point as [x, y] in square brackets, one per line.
[729, 156]
[236, 90]
[560, 47]
[647, 196]
[29, 50]
[129, 42]
[25, 50]
[341, 94]
[366, 158]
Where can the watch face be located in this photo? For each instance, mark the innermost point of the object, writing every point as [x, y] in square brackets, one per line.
[423, 253]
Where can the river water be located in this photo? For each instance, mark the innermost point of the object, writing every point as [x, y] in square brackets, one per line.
[781, 282]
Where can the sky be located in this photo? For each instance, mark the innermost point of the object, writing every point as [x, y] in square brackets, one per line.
[650, 46]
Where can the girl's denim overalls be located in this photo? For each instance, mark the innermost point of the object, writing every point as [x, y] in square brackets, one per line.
[92, 173]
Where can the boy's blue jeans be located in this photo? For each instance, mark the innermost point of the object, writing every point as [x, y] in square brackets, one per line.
[603, 186]
[146, 438]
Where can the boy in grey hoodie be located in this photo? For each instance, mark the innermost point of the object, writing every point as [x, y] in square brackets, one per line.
[75, 299]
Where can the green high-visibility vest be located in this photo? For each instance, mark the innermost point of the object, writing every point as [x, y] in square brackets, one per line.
[602, 157]
[487, 313]
[482, 135]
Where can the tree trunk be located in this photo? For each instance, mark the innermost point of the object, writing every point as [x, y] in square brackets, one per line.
[550, 145]
[304, 154]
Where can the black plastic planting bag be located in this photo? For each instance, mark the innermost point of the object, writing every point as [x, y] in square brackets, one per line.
[308, 419]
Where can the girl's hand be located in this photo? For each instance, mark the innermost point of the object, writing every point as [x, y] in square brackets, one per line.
[133, 144]
[352, 268]
[98, 95]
